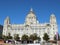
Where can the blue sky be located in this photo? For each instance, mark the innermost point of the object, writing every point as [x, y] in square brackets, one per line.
[17, 10]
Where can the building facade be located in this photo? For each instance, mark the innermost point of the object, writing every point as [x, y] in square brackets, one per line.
[31, 26]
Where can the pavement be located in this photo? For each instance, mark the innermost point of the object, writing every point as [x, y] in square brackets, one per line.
[25, 44]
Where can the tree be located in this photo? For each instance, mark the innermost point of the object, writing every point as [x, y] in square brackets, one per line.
[0, 36]
[31, 37]
[34, 37]
[16, 37]
[59, 37]
[24, 37]
[56, 38]
[4, 37]
[46, 37]
[9, 36]
[38, 38]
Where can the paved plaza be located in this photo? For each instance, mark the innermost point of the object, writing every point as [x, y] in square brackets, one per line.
[33, 44]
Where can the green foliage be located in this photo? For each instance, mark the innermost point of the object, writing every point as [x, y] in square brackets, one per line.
[4, 37]
[16, 37]
[24, 37]
[38, 38]
[46, 37]
[34, 37]
[7, 37]
[0, 36]
[58, 37]
[55, 37]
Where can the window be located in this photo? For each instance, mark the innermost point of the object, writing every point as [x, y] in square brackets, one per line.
[27, 29]
[53, 28]
[31, 23]
[21, 28]
[43, 28]
[17, 28]
[53, 25]
[48, 32]
[29, 17]
[48, 28]
[53, 32]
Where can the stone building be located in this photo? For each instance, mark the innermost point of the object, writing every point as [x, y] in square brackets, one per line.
[30, 26]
